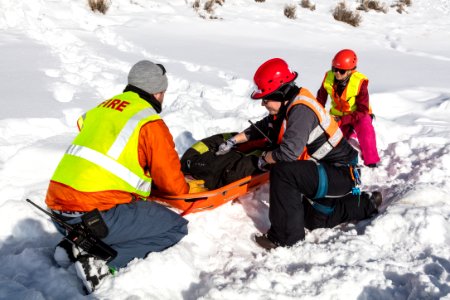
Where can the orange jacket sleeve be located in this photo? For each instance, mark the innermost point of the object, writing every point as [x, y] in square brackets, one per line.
[158, 157]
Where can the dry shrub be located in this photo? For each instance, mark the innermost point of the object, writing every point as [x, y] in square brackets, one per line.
[400, 5]
[196, 5]
[375, 5]
[308, 5]
[406, 2]
[208, 8]
[341, 13]
[260, 1]
[290, 11]
[400, 8]
[209, 5]
[99, 5]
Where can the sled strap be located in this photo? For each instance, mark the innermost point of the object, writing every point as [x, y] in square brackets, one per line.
[322, 187]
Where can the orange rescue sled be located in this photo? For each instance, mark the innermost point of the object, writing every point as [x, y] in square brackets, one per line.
[191, 203]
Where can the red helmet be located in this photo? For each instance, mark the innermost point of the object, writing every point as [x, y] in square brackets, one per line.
[345, 59]
[270, 76]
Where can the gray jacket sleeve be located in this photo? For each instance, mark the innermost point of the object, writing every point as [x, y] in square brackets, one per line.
[301, 121]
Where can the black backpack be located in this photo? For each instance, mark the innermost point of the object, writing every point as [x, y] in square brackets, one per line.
[201, 162]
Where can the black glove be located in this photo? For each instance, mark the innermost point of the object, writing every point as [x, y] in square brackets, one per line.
[226, 147]
[263, 165]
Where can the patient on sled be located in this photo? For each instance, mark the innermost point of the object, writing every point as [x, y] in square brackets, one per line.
[201, 162]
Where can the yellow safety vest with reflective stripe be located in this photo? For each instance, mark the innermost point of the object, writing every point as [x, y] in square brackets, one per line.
[104, 155]
[346, 103]
[327, 125]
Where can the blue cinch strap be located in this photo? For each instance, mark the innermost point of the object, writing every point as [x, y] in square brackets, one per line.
[322, 190]
[322, 187]
[326, 210]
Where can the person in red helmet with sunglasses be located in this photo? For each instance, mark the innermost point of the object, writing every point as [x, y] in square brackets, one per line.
[350, 103]
[312, 173]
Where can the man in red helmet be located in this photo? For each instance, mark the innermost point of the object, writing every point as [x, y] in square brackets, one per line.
[312, 173]
[350, 103]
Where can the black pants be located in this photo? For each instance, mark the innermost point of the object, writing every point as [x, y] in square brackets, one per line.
[289, 213]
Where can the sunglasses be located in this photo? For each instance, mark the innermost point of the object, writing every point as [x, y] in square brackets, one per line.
[340, 71]
[275, 96]
[162, 68]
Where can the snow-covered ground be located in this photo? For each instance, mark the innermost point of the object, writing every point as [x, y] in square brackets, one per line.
[59, 59]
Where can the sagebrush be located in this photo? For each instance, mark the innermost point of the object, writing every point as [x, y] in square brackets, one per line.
[375, 5]
[341, 13]
[207, 12]
[308, 5]
[101, 6]
[401, 5]
[290, 11]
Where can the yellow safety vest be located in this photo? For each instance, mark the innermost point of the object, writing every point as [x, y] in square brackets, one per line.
[104, 155]
[346, 103]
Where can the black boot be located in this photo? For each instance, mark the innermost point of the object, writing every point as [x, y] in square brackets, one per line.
[264, 242]
[376, 199]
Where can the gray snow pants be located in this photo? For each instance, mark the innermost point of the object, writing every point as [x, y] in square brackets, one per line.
[138, 228]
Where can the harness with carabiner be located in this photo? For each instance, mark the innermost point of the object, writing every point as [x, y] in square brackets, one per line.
[355, 174]
[322, 188]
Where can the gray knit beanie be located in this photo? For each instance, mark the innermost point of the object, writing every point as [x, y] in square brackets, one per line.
[148, 76]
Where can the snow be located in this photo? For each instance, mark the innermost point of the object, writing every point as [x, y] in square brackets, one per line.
[59, 59]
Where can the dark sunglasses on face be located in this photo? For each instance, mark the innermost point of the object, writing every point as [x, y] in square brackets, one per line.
[340, 71]
[162, 68]
[275, 96]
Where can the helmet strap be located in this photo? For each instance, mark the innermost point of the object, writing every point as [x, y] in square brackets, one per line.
[291, 91]
[290, 95]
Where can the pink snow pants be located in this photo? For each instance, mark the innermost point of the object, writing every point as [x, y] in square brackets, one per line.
[365, 133]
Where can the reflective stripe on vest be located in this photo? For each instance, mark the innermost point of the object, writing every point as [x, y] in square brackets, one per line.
[346, 103]
[111, 165]
[333, 141]
[326, 125]
[104, 155]
[126, 132]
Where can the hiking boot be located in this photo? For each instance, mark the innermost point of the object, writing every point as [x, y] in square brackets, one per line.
[91, 271]
[66, 253]
[264, 242]
[376, 199]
